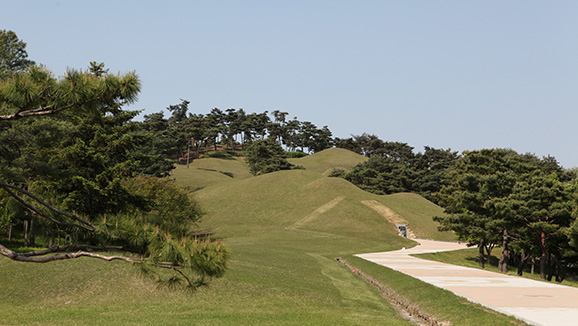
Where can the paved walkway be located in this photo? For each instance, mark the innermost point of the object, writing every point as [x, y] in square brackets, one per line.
[535, 302]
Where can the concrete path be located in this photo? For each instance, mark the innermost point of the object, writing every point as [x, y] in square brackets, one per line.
[535, 302]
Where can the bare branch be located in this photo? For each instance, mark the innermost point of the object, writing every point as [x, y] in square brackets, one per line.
[36, 112]
[69, 247]
[24, 258]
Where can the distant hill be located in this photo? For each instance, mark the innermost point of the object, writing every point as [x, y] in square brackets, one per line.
[208, 171]
[325, 161]
[304, 200]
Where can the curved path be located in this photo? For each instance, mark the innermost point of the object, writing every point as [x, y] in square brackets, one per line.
[535, 302]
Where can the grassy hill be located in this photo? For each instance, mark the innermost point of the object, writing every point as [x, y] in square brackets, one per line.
[207, 171]
[285, 230]
[325, 161]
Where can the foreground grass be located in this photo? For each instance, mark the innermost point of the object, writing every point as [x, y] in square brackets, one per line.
[274, 280]
[469, 258]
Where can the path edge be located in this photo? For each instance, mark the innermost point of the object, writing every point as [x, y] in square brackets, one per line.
[406, 308]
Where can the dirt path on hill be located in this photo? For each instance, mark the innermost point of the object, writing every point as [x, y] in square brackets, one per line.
[322, 209]
[384, 211]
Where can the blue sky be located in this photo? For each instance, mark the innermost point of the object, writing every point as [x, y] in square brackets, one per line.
[463, 75]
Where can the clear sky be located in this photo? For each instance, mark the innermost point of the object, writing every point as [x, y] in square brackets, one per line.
[460, 74]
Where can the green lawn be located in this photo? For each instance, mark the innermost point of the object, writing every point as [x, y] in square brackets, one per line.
[285, 230]
[326, 161]
[208, 171]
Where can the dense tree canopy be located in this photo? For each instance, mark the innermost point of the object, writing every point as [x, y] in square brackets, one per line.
[394, 167]
[230, 129]
[522, 202]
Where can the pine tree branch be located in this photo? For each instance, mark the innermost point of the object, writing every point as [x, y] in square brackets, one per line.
[186, 278]
[8, 188]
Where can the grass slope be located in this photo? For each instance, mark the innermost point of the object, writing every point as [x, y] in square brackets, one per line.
[284, 229]
[333, 158]
[208, 171]
[418, 212]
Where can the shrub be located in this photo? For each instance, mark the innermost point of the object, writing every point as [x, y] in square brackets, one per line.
[338, 173]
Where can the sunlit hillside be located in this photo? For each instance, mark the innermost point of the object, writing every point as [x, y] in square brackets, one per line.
[284, 229]
[207, 171]
[333, 158]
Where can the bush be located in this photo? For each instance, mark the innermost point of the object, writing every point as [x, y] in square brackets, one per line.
[166, 202]
[220, 155]
[233, 153]
[338, 173]
[296, 154]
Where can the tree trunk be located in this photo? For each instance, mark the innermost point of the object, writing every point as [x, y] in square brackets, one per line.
[521, 267]
[481, 256]
[10, 232]
[525, 255]
[25, 233]
[188, 154]
[489, 248]
[561, 271]
[31, 231]
[551, 266]
[544, 256]
[503, 263]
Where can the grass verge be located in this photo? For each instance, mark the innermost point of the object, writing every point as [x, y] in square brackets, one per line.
[442, 304]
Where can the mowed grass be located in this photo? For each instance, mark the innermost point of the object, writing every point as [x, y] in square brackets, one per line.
[285, 230]
[208, 171]
[327, 160]
[267, 284]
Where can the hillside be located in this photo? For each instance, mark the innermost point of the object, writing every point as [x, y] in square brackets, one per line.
[307, 201]
[333, 158]
[300, 193]
[208, 171]
[285, 230]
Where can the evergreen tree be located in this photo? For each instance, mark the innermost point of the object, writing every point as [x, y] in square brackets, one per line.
[13, 55]
[265, 156]
[90, 168]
